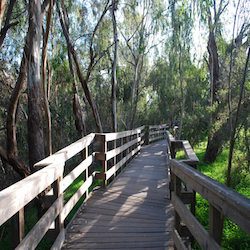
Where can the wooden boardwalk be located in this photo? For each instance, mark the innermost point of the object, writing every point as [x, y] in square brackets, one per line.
[133, 213]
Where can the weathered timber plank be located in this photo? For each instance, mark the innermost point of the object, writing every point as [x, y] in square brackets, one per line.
[112, 153]
[130, 201]
[134, 222]
[67, 152]
[115, 136]
[75, 198]
[178, 241]
[22, 192]
[68, 179]
[118, 229]
[59, 241]
[119, 245]
[125, 212]
[119, 238]
[190, 154]
[137, 196]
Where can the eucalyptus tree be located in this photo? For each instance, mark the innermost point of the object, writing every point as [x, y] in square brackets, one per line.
[179, 51]
[45, 78]
[114, 66]
[93, 55]
[139, 28]
[34, 84]
[220, 74]
[13, 157]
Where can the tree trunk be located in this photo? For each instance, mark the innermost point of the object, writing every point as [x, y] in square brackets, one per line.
[45, 84]
[11, 141]
[234, 127]
[77, 109]
[7, 24]
[135, 90]
[35, 103]
[114, 64]
[83, 81]
[214, 144]
[213, 68]
[220, 136]
[183, 96]
[2, 10]
[12, 108]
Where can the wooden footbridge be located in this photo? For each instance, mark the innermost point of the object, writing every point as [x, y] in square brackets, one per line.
[128, 199]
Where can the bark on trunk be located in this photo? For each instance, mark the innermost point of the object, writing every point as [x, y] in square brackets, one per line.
[2, 10]
[183, 96]
[213, 68]
[114, 64]
[12, 108]
[7, 24]
[35, 119]
[220, 136]
[45, 84]
[233, 137]
[214, 144]
[77, 109]
[83, 81]
[135, 90]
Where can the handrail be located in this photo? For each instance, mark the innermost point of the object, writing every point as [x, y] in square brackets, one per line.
[157, 132]
[14, 198]
[223, 201]
[116, 149]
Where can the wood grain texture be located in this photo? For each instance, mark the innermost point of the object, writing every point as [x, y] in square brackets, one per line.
[21, 193]
[119, 135]
[133, 212]
[67, 152]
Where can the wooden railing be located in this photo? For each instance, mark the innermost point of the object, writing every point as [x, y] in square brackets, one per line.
[116, 149]
[14, 198]
[112, 150]
[157, 132]
[223, 201]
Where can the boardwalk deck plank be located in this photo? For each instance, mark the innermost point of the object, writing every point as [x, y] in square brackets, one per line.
[132, 213]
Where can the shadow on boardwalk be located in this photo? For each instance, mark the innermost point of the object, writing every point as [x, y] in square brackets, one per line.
[133, 213]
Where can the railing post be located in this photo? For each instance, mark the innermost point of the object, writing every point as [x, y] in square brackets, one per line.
[56, 193]
[215, 223]
[146, 134]
[138, 136]
[177, 192]
[18, 228]
[104, 150]
[59, 222]
[85, 156]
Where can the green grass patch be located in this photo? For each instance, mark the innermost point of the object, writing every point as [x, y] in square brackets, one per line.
[180, 155]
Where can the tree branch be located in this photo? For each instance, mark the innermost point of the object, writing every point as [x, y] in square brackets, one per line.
[7, 24]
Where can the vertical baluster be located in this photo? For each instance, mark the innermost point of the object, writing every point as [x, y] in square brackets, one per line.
[215, 223]
[104, 150]
[18, 228]
[86, 154]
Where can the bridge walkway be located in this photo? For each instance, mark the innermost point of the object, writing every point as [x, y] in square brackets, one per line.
[134, 212]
